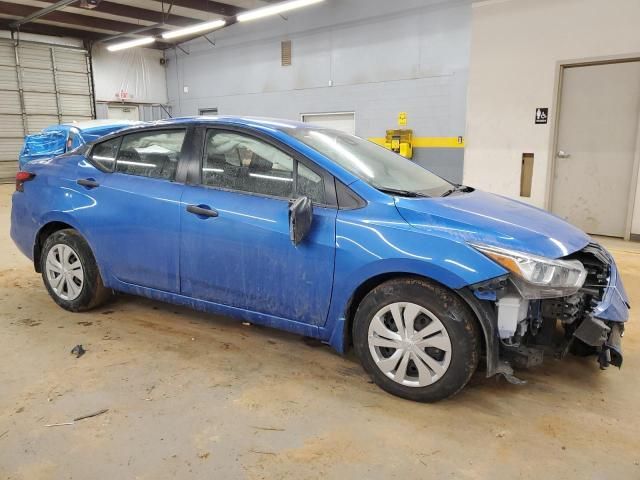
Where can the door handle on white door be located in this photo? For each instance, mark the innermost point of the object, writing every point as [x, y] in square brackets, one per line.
[563, 154]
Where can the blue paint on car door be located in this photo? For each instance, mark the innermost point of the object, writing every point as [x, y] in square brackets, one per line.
[132, 214]
[244, 258]
[141, 230]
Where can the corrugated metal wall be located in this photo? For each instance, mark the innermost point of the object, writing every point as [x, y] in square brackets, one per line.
[40, 85]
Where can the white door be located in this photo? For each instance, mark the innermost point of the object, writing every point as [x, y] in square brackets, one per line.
[599, 111]
[345, 122]
[123, 112]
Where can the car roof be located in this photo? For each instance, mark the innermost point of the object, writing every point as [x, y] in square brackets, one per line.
[90, 126]
[265, 123]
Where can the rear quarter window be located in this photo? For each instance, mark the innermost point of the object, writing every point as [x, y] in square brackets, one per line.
[104, 154]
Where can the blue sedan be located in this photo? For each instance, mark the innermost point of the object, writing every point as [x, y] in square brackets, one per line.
[324, 234]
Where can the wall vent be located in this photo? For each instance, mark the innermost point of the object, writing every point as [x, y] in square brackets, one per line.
[285, 53]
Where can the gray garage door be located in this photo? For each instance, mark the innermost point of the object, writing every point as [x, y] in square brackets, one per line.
[40, 85]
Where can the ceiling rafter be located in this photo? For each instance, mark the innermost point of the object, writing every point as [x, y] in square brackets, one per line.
[120, 19]
[41, 12]
[133, 12]
[71, 18]
[44, 29]
[208, 6]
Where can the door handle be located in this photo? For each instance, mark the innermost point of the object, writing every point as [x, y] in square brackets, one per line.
[202, 211]
[563, 154]
[88, 182]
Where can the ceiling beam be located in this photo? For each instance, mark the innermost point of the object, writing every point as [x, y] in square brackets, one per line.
[54, 30]
[142, 13]
[37, 13]
[208, 6]
[71, 18]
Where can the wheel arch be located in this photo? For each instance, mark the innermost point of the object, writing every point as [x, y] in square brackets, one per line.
[484, 315]
[42, 234]
[49, 228]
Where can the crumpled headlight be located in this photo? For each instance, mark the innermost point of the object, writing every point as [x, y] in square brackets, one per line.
[538, 277]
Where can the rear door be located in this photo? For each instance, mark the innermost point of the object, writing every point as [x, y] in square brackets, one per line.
[135, 216]
[240, 253]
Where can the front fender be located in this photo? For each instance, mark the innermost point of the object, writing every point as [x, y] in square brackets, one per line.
[367, 248]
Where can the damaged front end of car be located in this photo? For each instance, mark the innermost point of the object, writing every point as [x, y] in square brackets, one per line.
[550, 307]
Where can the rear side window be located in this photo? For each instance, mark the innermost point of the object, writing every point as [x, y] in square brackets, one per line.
[104, 154]
[152, 154]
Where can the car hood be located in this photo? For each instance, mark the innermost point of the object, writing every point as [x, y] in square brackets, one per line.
[481, 217]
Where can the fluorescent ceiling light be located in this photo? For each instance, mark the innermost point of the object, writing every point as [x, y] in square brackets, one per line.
[198, 27]
[131, 43]
[276, 9]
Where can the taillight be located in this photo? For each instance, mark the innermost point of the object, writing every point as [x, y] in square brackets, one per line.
[22, 178]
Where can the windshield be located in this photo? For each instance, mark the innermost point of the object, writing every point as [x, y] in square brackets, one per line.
[379, 167]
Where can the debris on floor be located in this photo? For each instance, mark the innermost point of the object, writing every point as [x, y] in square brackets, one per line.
[89, 415]
[271, 429]
[262, 453]
[77, 419]
[78, 351]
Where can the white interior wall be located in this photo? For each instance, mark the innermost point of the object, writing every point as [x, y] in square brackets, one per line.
[137, 71]
[516, 46]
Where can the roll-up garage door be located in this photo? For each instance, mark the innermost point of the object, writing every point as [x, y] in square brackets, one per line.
[40, 85]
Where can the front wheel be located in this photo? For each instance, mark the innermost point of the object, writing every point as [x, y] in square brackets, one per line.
[416, 339]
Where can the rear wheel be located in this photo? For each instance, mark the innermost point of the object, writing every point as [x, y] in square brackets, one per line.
[417, 340]
[70, 272]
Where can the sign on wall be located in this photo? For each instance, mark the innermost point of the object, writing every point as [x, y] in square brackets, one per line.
[542, 115]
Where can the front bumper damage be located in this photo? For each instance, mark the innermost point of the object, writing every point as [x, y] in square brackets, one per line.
[591, 322]
[604, 327]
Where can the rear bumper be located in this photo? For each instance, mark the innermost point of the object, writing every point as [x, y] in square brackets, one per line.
[22, 225]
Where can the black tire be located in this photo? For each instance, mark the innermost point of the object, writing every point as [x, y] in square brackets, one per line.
[92, 292]
[456, 317]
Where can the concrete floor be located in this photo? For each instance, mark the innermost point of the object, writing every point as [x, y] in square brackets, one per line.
[197, 396]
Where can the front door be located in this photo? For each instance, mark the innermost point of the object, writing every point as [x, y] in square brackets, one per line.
[597, 140]
[235, 246]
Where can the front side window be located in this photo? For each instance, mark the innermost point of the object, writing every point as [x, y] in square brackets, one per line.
[239, 162]
[104, 154]
[310, 184]
[152, 154]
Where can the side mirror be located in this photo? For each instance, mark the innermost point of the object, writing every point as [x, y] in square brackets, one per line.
[300, 218]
